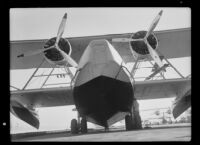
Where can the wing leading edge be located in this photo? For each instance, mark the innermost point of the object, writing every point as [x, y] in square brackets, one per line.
[156, 89]
[50, 97]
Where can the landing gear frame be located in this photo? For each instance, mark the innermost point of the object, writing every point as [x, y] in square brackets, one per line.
[133, 121]
[79, 126]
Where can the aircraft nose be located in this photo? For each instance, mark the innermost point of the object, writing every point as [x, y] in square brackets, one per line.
[99, 52]
[103, 51]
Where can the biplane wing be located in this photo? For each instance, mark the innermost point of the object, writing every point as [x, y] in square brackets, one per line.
[172, 44]
[23, 103]
[49, 97]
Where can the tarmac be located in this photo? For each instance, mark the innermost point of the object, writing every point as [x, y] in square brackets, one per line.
[160, 133]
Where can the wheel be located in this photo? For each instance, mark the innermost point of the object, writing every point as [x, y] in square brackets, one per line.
[74, 126]
[137, 121]
[83, 125]
[128, 122]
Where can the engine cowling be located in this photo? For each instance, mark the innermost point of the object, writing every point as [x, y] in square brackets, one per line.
[54, 54]
[139, 46]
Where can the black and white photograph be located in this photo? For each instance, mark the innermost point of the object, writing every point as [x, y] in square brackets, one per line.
[100, 74]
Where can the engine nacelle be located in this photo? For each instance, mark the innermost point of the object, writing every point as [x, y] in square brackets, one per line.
[139, 46]
[54, 56]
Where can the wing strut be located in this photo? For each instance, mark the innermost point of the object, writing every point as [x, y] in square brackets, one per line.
[135, 66]
[68, 71]
[33, 74]
[172, 66]
[156, 67]
[48, 77]
[157, 71]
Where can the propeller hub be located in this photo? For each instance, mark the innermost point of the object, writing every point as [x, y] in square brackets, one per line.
[140, 46]
[53, 54]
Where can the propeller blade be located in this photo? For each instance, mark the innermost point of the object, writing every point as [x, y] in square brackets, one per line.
[154, 23]
[125, 39]
[71, 61]
[30, 53]
[121, 39]
[154, 55]
[61, 28]
[140, 39]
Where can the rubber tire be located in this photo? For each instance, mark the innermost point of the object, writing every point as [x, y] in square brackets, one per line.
[137, 121]
[84, 125]
[74, 126]
[129, 122]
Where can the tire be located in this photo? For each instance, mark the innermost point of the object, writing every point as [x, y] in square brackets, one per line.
[133, 123]
[128, 122]
[84, 125]
[74, 126]
[137, 121]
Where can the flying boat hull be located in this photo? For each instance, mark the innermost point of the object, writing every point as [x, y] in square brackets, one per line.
[103, 92]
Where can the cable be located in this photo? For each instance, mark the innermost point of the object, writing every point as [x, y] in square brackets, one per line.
[132, 81]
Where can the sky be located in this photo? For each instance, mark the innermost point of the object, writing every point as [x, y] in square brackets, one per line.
[40, 23]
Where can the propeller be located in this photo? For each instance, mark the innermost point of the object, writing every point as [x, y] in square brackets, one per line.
[59, 35]
[30, 53]
[71, 61]
[152, 52]
[154, 24]
[61, 28]
[125, 39]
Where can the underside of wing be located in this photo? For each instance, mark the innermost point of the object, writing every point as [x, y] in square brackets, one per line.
[172, 44]
[23, 104]
[156, 89]
[19, 47]
[48, 97]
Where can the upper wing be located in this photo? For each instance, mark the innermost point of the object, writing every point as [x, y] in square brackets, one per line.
[18, 47]
[172, 44]
[78, 45]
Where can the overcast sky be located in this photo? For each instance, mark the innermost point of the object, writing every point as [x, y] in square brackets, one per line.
[37, 23]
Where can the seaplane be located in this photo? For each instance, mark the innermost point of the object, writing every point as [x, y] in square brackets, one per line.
[102, 89]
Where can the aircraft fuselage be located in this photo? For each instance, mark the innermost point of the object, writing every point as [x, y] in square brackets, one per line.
[103, 92]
